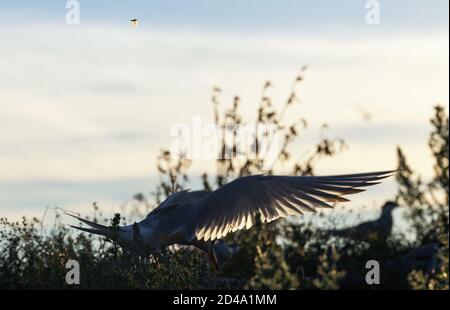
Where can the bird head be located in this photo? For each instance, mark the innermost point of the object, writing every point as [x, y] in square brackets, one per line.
[129, 237]
[389, 206]
[122, 234]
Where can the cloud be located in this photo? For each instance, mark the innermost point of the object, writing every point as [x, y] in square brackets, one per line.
[98, 102]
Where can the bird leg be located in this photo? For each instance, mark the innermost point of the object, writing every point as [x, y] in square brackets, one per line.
[213, 259]
[156, 257]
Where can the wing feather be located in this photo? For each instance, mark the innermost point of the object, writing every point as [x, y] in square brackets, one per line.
[234, 206]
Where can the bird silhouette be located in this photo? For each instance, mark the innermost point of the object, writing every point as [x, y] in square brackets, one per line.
[134, 22]
[200, 218]
[422, 258]
[377, 230]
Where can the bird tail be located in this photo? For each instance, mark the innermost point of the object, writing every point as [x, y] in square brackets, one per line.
[95, 228]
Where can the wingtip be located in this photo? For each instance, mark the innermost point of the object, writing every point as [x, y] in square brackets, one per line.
[389, 173]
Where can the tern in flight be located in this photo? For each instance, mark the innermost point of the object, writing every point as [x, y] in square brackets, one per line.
[201, 218]
[134, 22]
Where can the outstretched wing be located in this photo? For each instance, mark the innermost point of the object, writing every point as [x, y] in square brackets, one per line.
[176, 199]
[235, 205]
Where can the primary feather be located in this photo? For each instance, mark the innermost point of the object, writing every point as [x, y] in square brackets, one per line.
[235, 205]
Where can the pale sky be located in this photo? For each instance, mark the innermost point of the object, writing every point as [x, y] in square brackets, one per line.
[85, 109]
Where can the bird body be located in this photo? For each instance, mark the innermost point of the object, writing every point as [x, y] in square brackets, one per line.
[200, 218]
[134, 22]
[377, 230]
[422, 258]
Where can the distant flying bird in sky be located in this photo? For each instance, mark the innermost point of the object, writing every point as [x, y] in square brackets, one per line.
[134, 22]
[376, 230]
[200, 218]
[365, 114]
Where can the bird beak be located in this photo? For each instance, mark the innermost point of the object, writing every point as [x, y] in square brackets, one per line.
[96, 228]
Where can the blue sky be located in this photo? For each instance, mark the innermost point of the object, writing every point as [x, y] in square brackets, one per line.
[87, 107]
[291, 16]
